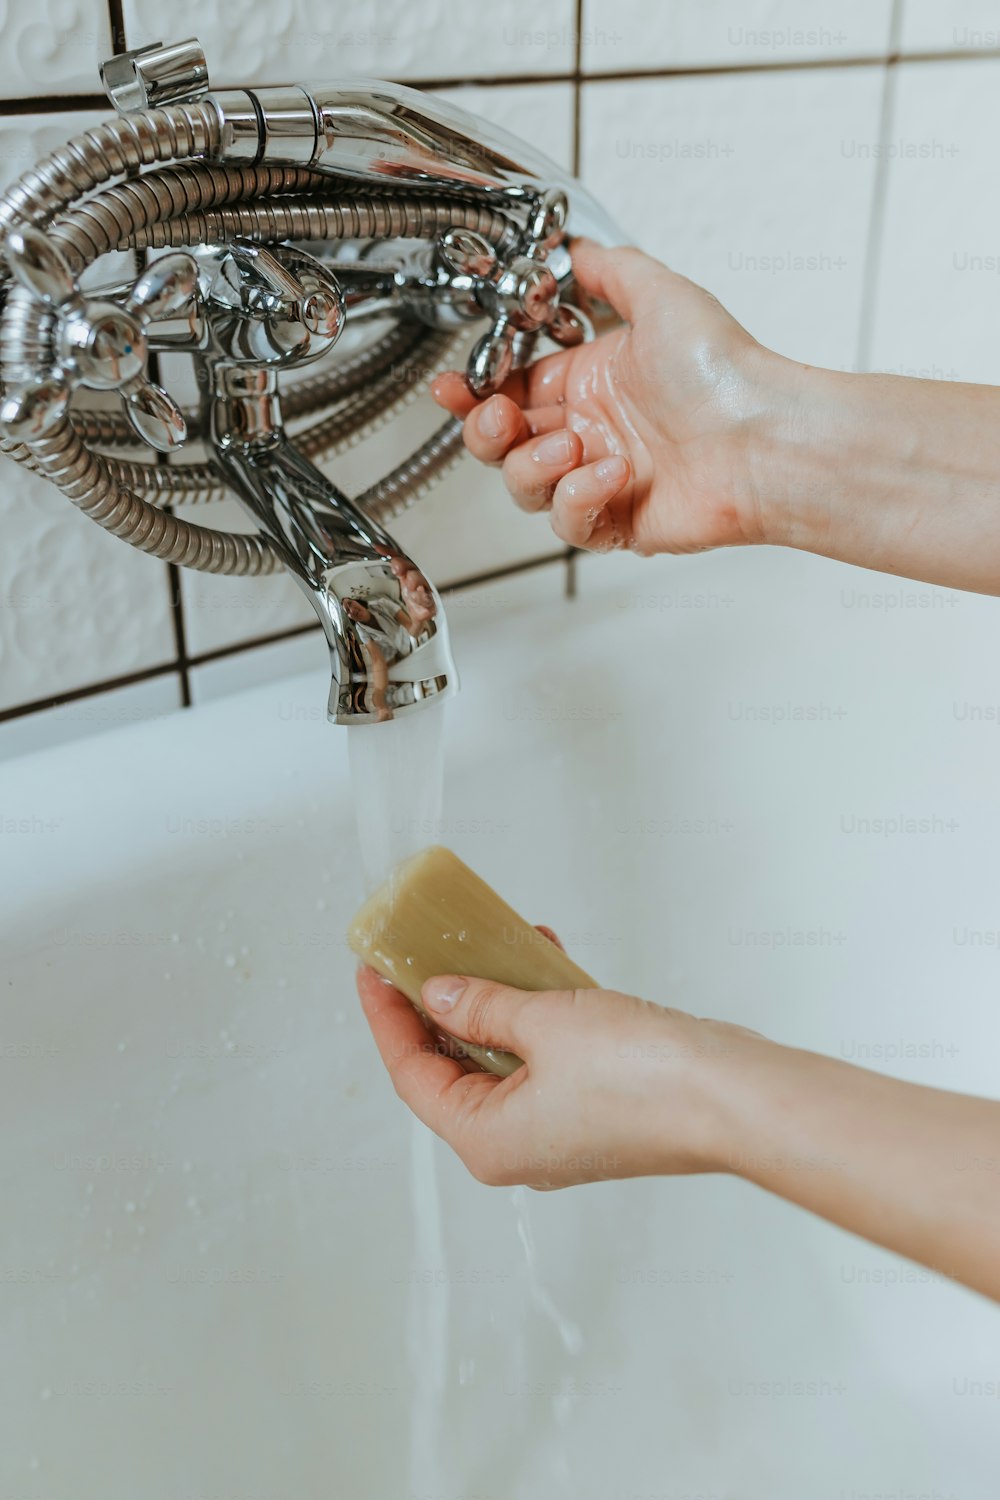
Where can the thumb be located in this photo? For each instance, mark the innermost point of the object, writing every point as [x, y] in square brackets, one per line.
[621, 277]
[478, 1010]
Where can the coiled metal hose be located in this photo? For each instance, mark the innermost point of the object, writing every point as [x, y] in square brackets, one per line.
[182, 202]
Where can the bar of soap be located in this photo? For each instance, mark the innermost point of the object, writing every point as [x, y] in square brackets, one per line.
[436, 916]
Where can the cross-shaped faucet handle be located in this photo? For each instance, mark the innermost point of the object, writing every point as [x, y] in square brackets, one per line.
[521, 294]
[100, 344]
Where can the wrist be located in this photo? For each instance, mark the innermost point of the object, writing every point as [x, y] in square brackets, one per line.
[723, 1072]
[798, 439]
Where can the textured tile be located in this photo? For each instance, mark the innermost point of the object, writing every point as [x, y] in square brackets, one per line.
[52, 46]
[619, 34]
[961, 25]
[25, 139]
[92, 715]
[292, 40]
[245, 669]
[76, 605]
[940, 269]
[223, 611]
[757, 186]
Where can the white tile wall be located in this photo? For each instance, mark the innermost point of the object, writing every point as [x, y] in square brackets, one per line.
[232, 674]
[247, 42]
[76, 605]
[623, 34]
[219, 612]
[950, 26]
[52, 46]
[937, 309]
[25, 139]
[94, 714]
[756, 185]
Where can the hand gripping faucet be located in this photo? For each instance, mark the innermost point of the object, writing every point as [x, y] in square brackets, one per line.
[288, 217]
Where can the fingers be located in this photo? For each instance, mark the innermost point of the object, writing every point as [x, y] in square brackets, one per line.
[542, 383]
[553, 937]
[494, 427]
[534, 468]
[451, 391]
[437, 1088]
[621, 276]
[460, 1105]
[580, 501]
[477, 1010]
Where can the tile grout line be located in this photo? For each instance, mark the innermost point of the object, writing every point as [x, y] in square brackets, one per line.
[577, 85]
[91, 690]
[116, 19]
[879, 198]
[249, 647]
[119, 44]
[64, 103]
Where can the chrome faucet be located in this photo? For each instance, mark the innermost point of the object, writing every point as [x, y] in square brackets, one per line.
[289, 215]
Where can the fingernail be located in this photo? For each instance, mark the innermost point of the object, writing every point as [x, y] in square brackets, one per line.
[442, 993]
[490, 420]
[557, 448]
[611, 470]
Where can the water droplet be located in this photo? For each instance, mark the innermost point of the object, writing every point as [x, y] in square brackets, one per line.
[230, 960]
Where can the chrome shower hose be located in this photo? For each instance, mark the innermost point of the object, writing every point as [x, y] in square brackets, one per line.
[181, 199]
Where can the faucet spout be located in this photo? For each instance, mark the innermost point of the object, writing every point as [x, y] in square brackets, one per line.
[383, 620]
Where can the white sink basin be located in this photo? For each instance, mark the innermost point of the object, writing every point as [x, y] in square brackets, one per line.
[213, 1277]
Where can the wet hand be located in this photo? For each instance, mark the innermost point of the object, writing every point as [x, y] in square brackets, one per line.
[612, 1086]
[645, 438]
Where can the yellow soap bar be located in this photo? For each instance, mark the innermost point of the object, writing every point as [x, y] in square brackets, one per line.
[435, 916]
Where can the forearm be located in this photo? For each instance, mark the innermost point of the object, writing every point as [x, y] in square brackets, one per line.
[890, 473]
[911, 1168]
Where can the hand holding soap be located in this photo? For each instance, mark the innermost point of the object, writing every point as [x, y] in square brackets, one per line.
[436, 916]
